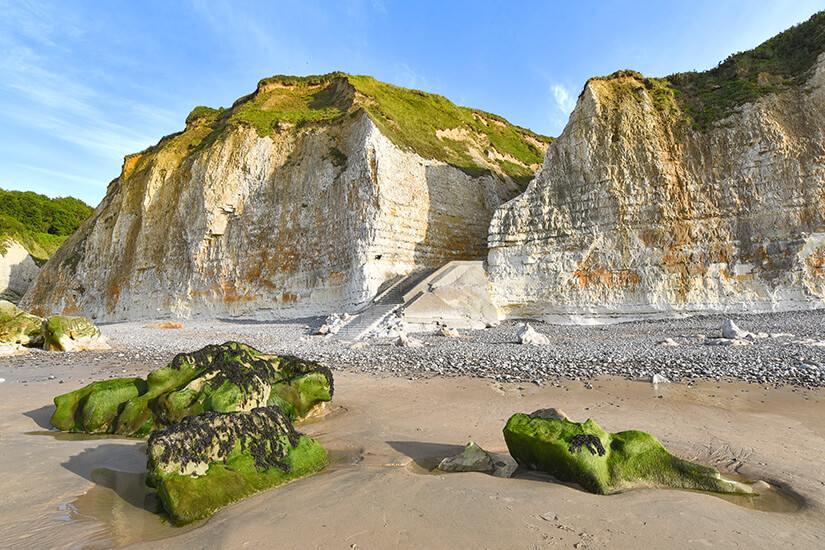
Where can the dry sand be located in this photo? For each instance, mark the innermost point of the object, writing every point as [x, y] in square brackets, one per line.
[67, 491]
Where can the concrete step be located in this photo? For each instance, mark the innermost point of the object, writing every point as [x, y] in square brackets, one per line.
[384, 304]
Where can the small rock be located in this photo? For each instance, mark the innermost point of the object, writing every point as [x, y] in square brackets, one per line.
[405, 341]
[551, 414]
[449, 332]
[334, 323]
[472, 459]
[668, 342]
[732, 332]
[528, 335]
[505, 465]
[760, 486]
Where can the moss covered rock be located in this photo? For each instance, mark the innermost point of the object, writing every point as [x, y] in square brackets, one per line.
[603, 462]
[226, 377]
[207, 461]
[18, 327]
[62, 333]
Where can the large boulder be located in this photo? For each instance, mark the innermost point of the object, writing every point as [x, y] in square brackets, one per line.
[18, 327]
[207, 461]
[62, 333]
[226, 377]
[603, 462]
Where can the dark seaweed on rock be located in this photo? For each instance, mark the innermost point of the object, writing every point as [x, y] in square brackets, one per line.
[591, 442]
[296, 368]
[260, 431]
[240, 364]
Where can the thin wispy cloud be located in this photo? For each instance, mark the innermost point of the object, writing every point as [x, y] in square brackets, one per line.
[565, 102]
[62, 174]
[406, 77]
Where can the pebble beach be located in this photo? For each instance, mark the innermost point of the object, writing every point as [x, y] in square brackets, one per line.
[752, 411]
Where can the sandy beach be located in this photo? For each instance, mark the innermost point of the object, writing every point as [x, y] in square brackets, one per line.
[383, 431]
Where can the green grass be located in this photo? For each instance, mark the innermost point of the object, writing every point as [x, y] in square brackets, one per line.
[39, 223]
[410, 118]
[701, 99]
[781, 63]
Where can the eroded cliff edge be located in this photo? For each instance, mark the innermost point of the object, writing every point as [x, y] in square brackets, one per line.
[300, 199]
[656, 199]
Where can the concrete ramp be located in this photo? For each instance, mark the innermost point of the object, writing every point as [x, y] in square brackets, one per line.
[457, 295]
[384, 304]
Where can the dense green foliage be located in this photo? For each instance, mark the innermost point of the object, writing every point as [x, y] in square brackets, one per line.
[410, 118]
[780, 63]
[39, 223]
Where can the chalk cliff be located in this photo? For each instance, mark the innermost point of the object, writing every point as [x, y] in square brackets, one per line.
[702, 191]
[302, 198]
[17, 270]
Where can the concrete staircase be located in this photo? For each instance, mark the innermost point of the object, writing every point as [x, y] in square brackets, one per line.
[384, 304]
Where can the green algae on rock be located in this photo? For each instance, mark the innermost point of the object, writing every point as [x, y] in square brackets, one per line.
[603, 462]
[207, 461]
[227, 377]
[18, 327]
[63, 333]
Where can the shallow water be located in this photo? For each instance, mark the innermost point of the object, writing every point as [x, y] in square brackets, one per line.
[124, 509]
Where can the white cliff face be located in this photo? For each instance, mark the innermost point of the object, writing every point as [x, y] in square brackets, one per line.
[634, 213]
[302, 223]
[17, 270]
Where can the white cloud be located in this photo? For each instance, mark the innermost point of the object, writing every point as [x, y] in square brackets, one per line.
[565, 102]
[408, 78]
[63, 175]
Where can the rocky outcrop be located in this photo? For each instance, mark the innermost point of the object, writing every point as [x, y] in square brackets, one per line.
[227, 377]
[603, 462]
[17, 270]
[19, 327]
[291, 202]
[210, 460]
[62, 333]
[637, 211]
[20, 330]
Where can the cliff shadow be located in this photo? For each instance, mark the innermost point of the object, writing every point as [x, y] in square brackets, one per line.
[458, 217]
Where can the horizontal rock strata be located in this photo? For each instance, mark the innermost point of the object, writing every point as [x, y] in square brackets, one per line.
[241, 217]
[636, 211]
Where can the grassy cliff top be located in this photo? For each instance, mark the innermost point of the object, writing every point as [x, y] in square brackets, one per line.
[781, 63]
[39, 223]
[427, 124]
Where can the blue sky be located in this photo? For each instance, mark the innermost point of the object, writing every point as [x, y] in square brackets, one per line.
[83, 83]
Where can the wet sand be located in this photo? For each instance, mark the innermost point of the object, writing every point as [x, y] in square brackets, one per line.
[67, 491]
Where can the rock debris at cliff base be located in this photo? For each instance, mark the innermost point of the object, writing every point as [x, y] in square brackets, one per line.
[575, 352]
